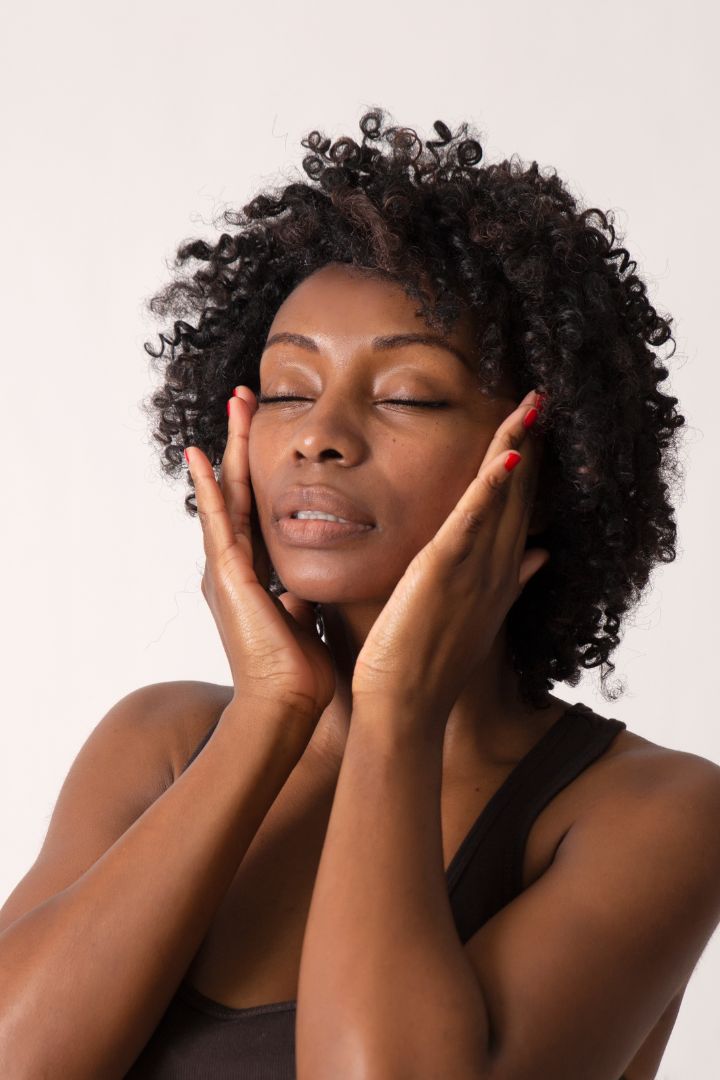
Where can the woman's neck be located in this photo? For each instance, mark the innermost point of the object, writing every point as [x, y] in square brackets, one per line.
[487, 722]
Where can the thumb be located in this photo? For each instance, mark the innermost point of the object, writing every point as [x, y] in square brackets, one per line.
[303, 611]
[534, 560]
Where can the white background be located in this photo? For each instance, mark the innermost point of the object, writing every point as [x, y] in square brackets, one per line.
[125, 128]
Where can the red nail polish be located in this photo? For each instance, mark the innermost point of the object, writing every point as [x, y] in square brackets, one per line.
[530, 418]
[512, 460]
[540, 401]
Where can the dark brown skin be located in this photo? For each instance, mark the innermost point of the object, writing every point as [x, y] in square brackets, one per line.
[260, 794]
[82, 949]
[409, 466]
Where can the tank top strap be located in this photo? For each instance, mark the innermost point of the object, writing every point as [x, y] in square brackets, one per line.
[486, 873]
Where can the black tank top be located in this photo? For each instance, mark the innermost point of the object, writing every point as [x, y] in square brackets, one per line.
[198, 1037]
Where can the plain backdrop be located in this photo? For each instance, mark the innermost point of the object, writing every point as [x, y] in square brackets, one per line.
[125, 129]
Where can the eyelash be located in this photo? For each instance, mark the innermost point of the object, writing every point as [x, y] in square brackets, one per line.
[393, 401]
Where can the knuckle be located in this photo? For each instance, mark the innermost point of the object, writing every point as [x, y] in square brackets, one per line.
[206, 515]
[474, 519]
[495, 481]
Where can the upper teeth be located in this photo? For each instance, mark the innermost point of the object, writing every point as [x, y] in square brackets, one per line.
[319, 514]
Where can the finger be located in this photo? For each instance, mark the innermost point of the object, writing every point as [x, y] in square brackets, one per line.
[303, 611]
[489, 494]
[239, 473]
[474, 518]
[234, 470]
[262, 563]
[529, 485]
[247, 395]
[218, 535]
[514, 433]
[236, 483]
[512, 526]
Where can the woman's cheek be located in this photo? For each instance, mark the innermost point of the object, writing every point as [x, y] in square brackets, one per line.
[259, 468]
[257, 453]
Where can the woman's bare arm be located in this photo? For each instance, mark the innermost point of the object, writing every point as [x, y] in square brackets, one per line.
[88, 971]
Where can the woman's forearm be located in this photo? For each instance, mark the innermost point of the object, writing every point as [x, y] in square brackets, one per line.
[386, 989]
[86, 975]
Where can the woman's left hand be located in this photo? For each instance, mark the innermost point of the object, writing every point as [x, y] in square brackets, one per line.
[445, 612]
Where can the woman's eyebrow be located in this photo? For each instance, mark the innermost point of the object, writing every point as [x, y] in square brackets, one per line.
[292, 339]
[394, 341]
[388, 341]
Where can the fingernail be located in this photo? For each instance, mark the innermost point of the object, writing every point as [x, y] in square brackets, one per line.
[512, 460]
[530, 418]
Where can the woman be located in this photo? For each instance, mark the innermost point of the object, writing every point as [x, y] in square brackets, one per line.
[386, 850]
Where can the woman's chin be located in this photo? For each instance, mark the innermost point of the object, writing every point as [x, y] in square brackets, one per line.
[335, 594]
[325, 596]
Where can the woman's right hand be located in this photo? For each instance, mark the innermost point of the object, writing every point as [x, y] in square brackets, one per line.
[272, 644]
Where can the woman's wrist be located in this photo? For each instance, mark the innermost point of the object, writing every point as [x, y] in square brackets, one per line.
[280, 728]
[399, 717]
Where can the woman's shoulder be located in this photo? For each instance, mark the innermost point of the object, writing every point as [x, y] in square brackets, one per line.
[185, 711]
[648, 755]
[642, 769]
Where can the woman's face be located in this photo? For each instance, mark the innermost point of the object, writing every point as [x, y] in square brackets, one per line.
[407, 465]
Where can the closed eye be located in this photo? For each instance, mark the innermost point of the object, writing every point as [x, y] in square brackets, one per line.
[389, 401]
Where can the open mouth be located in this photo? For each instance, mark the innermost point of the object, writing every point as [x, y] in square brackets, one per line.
[317, 515]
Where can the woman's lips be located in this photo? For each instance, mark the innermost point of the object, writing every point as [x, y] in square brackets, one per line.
[317, 532]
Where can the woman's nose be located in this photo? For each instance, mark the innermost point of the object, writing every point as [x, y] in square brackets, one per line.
[328, 431]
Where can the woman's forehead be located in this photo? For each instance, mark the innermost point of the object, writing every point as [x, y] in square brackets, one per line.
[343, 303]
[341, 309]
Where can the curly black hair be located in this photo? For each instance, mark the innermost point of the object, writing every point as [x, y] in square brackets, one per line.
[558, 305]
